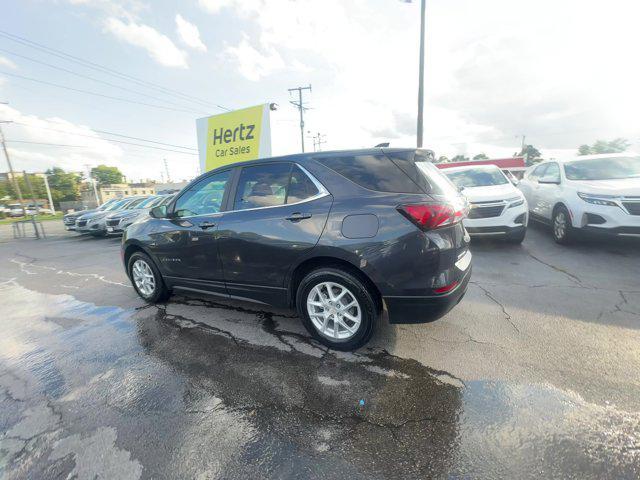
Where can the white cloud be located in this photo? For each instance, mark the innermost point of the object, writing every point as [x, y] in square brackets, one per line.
[5, 62]
[253, 63]
[33, 157]
[159, 46]
[128, 9]
[189, 34]
[488, 77]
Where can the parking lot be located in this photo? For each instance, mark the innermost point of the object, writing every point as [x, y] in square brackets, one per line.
[533, 375]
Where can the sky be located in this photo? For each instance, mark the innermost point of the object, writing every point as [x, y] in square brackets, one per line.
[560, 72]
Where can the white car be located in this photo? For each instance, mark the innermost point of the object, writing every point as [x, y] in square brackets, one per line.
[587, 193]
[497, 206]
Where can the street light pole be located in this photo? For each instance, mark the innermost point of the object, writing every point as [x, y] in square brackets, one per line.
[421, 75]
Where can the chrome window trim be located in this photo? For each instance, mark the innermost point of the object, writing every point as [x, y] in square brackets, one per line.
[322, 192]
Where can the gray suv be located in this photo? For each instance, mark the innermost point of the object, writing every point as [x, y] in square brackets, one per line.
[337, 235]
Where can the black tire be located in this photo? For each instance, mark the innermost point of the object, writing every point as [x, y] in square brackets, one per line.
[160, 292]
[516, 238]
[98, 234]
[356, 289]
[561, 228]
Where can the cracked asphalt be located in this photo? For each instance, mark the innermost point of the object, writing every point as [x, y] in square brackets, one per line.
[534, 375]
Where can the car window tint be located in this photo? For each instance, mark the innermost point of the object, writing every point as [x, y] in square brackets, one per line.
[262, 186]
[552, 172]
[538, 172]
[301, 186]
[375, 172]
[205, 197]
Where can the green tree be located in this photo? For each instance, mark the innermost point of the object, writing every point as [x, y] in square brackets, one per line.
[4, 189]
[64, 186]
[443, 159]
[616, 145]
[584, 150]
[531, 155]
[460, 158]
[37, 183]
[481, 156]
[106, 175]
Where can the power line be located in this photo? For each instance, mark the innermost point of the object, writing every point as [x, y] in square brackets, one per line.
[106, 132]
[103, 69]
[49, 144]
[93, 93]
[96, 79]
[109, 139]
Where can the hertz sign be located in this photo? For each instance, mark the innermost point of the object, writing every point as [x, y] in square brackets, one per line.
[234, 136]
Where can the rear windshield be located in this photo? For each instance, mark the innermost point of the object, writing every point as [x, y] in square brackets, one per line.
[476, 177]
[375, 172]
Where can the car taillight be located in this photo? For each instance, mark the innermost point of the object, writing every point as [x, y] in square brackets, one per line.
[428, 216]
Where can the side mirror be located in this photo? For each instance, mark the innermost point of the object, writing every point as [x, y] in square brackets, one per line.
[159, 212]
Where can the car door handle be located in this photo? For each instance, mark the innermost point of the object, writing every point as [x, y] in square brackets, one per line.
[294, 217]
[205, 225]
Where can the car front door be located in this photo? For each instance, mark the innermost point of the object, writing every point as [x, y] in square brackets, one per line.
[186, 243]
[548, 190]
[531, 193]
[278, 214]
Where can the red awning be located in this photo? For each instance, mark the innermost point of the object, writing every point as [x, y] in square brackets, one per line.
[503, 163]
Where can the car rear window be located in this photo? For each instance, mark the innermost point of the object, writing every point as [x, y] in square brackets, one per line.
[418, 165]
[375, 172]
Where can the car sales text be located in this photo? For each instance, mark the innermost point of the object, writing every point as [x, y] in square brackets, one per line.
[240, 133]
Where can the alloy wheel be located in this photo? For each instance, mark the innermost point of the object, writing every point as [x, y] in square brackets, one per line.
[560, 225]
[334, 311]
[143, 278]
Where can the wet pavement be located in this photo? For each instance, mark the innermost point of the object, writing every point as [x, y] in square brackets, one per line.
[534, 375]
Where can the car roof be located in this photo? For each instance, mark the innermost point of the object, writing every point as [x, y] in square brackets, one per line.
[469, 167]
[303, 158]
[577, 158]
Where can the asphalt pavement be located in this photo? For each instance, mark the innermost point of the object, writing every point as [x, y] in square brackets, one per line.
[534, 375]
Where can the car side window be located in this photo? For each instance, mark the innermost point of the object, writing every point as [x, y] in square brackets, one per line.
[538, 172]
[301, 186]
[262, 186]
[552, 173]
[205, 197]
[374, 172]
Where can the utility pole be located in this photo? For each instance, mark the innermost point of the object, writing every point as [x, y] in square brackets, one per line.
[166, 169]
[318, 140]
[421, 74]
[46, 185]
[301, 108]
[34, 200]
[523, 138]
[13, 177]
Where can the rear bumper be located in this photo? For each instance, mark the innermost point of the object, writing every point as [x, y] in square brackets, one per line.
[425, 309]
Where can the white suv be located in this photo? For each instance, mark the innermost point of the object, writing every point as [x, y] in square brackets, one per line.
[592, 192]
[497, 207]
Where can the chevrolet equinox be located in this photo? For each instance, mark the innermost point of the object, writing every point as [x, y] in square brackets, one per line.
[338, 235]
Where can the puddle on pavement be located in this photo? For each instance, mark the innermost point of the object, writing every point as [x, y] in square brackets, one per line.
[91, 390]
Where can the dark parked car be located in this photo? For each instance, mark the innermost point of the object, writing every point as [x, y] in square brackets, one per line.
[338, 235]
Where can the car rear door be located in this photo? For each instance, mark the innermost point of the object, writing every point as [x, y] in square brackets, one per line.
[277, 215]
[186, 243]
